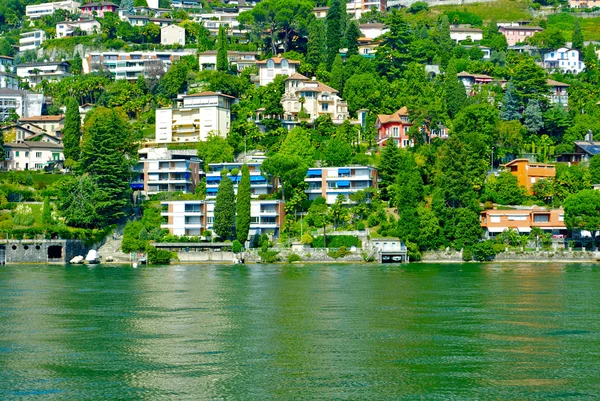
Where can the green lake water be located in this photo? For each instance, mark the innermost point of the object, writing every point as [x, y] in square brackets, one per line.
[331, 332]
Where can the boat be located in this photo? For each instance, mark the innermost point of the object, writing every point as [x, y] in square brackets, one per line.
[77, 260]
[92, 257]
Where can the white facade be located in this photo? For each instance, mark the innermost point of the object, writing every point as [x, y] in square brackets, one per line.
[373, 30]
[460, 34]
[356, 8]
[29, 155]
[319, 100]
[123, 65]
[34, 73]
[8, 81]
[243, 60]
[67, 28]
[192, 218]
[31, 40]
[6, 64]
[195, 118]
[259, 185]
[268, 69]
[172, 35]
[25, 104]
[40, 10]
[162, 170]
[329, 182]
[564, 60]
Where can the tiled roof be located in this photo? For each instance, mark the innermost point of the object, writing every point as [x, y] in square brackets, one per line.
[42, 118]
[395, 117]
[33, 145]
[297, 76]
[552, 82]
[208, 93]
[277, 60]
[521, 28]
[102, 3]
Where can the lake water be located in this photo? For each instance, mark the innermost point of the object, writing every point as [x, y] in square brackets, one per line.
[343, 332]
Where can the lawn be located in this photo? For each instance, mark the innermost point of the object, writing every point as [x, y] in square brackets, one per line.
[502, 10]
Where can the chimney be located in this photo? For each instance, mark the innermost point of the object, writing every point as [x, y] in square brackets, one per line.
[589, 137]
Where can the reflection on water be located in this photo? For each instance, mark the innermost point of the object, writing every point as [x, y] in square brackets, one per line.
[434, 332]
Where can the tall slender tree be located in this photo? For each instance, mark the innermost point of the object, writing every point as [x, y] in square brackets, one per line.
[337, 74]
[577, 36]
[444, 41]
[533, 117]
[510, 104]
[224, 223]
[72, 131]
[352, 34]
[242, 222]
[334, 30]
[456, 95]
[315, 54]
[222, 61]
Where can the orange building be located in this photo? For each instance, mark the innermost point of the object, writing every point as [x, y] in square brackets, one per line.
[528, 173]
[495, 221]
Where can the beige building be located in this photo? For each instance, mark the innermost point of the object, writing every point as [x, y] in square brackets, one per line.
[32, 155]
[268, 69]
[194, 118]
[52, 125]
[172, 35]
[314, 97]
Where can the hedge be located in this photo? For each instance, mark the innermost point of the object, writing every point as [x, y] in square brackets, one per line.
[336, 241]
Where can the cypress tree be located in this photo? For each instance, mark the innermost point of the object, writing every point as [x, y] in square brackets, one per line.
[224, 223]
[510, 104]
[334, 29]
[316, 44]
[2, 150]
[337, 74]
[577, 36]
[456, 95]
[444, 40]
[533, 116]
[242, 222]
[72, 131]
[222, 61]
[46, 212]
[352, 34]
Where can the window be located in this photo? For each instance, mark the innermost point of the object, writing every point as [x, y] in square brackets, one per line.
[270, 64]
[494, 219]
[17, 153]
[254, 220]
[284, 64]
[39, 166]
[541, 218]
[324, 107]
[395, 132]
[38, 155]
[192, 208]
[210, 220]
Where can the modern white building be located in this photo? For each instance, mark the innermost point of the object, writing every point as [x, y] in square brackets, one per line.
[259, 185]
[243, 60]
[6, 64]
[319, 100]
[23, 103]
[34, 73]
[32, 155]
[356, 8]
[192, 218]
[69, 28]
[268, 69]
[459, 34]
[565, 60]
[8, 81]
[172, 35]
[329, 182]
[36, 11]
[373, 30]
[124, 65]
[162, 170]
[194, 118]
[31, 40]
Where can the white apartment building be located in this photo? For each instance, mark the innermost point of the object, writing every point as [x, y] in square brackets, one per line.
[36, 11]
[226, 17]
[68, 28]
[564, 60]
[6, 64]
[172, 35]
[25, 104]
[268, 69]
[458, 34]
[130, 65]
[356, 8]
[194, 118]
[31, 40]
[208, 59]
[329, 182]
[373, 30]
[32, 155]
[162, 170]
[192, 218]
[319, 99]
[34, 73]
[259, 185]
[8, 81]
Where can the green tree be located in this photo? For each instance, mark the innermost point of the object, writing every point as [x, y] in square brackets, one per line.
[595, 169]
[215, 149]
[456, 96]
[297, 143]
[289, 169]
[337, 153]
[222, 60]
[504, 190]
[510, 104]
[127, 6]
[72, 131]
[315, 54]
[582, 211]
[337, 74]
[174, 81]
[336, 12]
[530, 82]
[533, 117]
[77, 201]
[242, 222]
[352, 35]
[224, 222]
[443, 40]
[47, 212]
[577, 41]
[393, 53]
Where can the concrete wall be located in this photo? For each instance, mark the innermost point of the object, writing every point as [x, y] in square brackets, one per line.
[209, 256]
[36, 251]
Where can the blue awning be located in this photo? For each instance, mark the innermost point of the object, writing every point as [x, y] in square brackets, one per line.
[313, 173]
[211, 190]
[257, 178]
[236, 178]
[343, 171]
[137, 186]
[343, 184]
[213, 179]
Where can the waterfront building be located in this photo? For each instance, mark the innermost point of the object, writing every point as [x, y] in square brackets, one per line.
[36, 11]
[52, 125]
[130, 65]
[172, 35]
[70, 28]
[528, 172]
[268, 69]
[193, 217]
[34, 73]
[31, 40]
[329, 182]
[242, 60]
[163, 170]
[32, 155]
[23, 103]
[195, 117]
[259, 185]
[551, 221]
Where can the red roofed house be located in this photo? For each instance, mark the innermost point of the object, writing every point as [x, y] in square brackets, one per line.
[394, 128]
[98, 9]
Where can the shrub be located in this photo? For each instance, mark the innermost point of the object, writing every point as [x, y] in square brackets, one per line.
[234, 172]
[499, 248]
[158, 256]
[413, 252]
[483, 251]
[268, 256]
[307, 239]
[294, 258]
[467, 256]
[360, 226]
[336, 241]
[236, 246]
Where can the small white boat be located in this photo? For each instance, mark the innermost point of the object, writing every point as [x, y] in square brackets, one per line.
[92, 257]
[77, 260]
